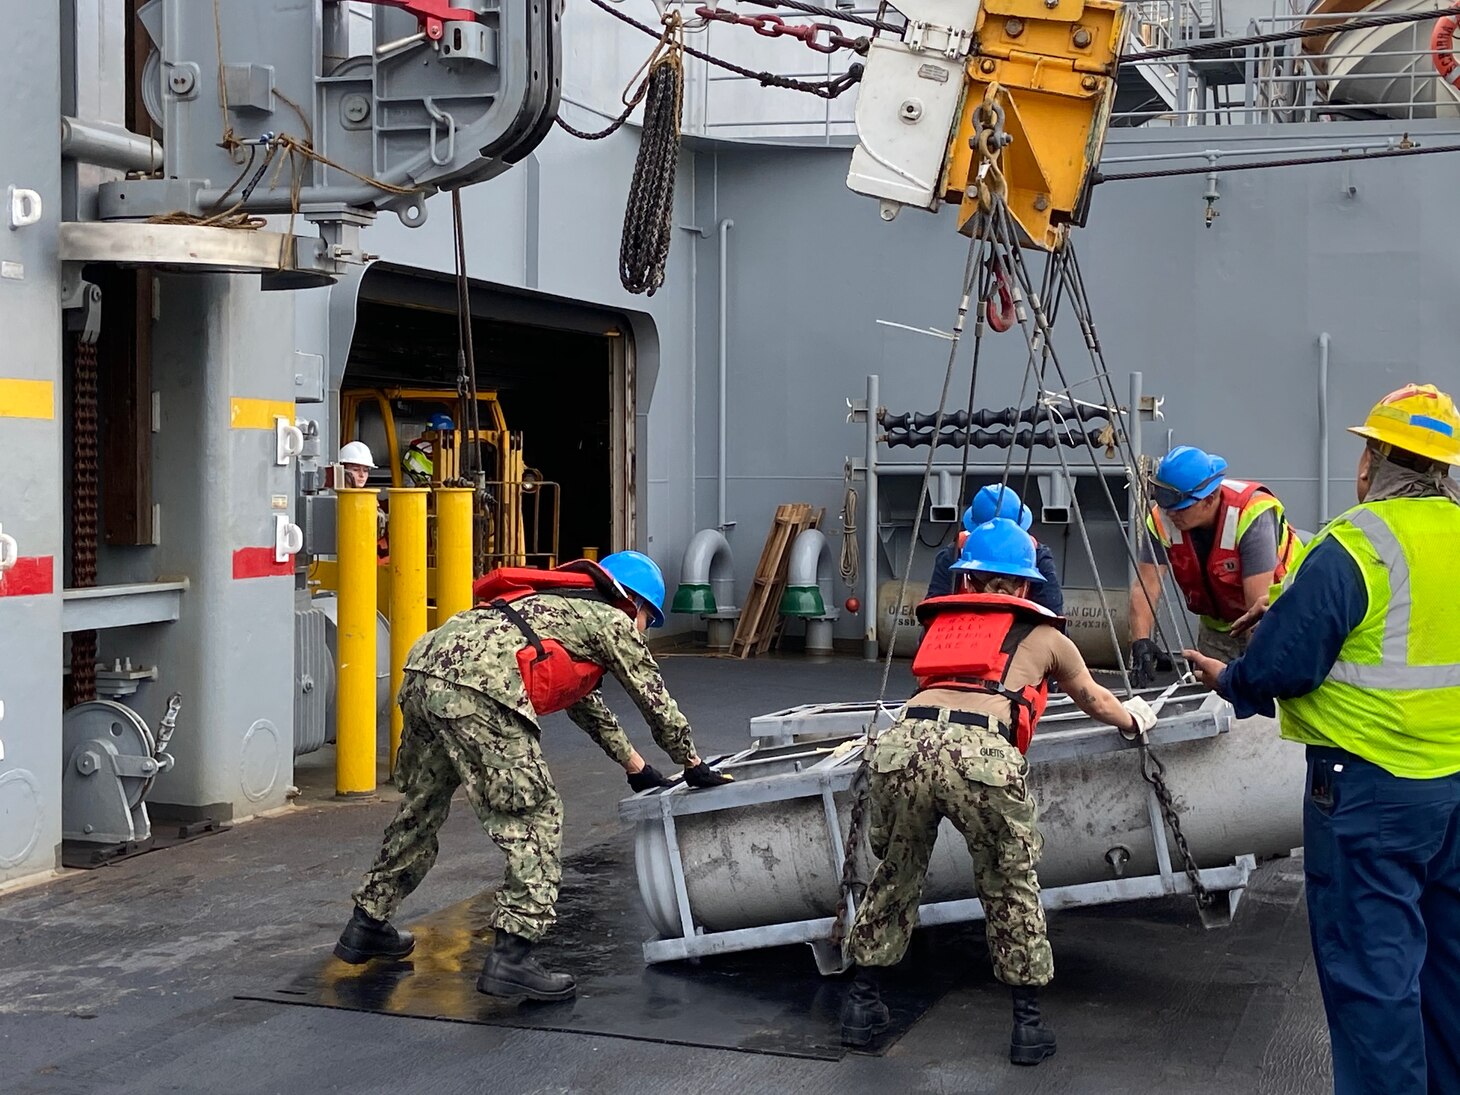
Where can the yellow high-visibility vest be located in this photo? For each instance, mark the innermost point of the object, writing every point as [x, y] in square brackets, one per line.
[1393, 695]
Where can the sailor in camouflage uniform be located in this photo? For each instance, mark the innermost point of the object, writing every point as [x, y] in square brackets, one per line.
[470, 722]
[957, 752]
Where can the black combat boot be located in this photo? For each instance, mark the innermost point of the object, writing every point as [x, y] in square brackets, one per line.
[365, 938]
[863, 1012]
[1031, 1041]
[512, 973]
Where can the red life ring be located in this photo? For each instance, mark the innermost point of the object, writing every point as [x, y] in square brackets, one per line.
[1442, 46]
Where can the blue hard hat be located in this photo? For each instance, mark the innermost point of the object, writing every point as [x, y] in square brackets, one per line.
[641, 576]
[993, 501]
[440, 421]
[1185, 476]
[1000, 547]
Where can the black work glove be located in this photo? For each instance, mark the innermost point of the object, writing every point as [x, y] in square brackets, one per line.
[646, 778]
[1146, 658]
[702, 775]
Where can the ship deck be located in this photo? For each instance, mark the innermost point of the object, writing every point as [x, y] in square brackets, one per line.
[131, 978]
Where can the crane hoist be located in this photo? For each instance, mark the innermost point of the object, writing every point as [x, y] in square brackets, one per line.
[976, 90]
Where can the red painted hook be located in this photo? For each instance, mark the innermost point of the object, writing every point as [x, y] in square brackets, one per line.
[1000, 318]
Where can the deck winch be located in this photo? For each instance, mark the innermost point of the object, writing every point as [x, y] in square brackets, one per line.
[111, 760]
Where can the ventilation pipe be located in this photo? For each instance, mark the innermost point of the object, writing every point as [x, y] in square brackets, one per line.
[809, 578]
[707, 586]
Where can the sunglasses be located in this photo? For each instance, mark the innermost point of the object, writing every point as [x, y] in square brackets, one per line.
[1170, 498]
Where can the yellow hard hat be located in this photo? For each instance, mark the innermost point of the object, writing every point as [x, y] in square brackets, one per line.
[1418, 418]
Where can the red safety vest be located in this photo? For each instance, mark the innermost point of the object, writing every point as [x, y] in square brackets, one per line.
[1215, 591]
[554, 679]
[969, 645]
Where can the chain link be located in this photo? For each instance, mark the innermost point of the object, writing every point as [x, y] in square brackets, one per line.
[774, 26]
[1154, 773]
[85, 510]
[849, 880]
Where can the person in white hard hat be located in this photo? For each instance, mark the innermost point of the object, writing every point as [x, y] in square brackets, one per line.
[357, 460]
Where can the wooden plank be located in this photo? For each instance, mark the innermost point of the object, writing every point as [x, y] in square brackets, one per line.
[760, 618]
[747, 630]
[772, 621]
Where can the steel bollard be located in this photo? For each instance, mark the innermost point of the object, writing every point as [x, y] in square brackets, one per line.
[407, 592]
[355, 651]
[453, 551]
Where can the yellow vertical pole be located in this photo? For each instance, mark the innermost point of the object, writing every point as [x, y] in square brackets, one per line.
[355, 644]
[453, 551]
[407, 591]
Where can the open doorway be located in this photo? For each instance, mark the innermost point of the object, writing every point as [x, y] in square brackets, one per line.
[566, 391]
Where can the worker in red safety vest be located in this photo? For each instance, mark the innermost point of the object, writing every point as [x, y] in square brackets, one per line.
[957, 751]
[1226, 541]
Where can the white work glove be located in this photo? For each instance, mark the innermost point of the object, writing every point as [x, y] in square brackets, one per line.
[1142, 716]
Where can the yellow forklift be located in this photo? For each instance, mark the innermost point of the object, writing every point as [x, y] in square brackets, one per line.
[421, 437]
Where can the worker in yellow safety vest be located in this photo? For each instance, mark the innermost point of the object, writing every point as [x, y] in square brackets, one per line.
[1361, 651]
[1225, 541]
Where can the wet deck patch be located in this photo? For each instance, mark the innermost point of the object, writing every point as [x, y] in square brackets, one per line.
[769, 1002]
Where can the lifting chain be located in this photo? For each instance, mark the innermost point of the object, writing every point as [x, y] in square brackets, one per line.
[1154, 773]
[85, 508]
[988, 142]
[774, 26]
[860, 799]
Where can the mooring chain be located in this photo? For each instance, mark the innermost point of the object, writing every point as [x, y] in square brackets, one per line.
[822, 37]
[1154, 773]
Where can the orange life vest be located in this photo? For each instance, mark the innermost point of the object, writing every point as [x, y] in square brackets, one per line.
[1215, 590]
[554, 679]
[969, 645]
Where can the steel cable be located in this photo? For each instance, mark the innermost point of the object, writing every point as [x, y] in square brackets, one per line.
[825, 89]
[859, 785]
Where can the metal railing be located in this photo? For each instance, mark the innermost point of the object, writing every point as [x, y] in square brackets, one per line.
[1285, 82]
[1275, 83]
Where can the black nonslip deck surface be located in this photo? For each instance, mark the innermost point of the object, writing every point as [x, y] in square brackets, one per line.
[770, 1001]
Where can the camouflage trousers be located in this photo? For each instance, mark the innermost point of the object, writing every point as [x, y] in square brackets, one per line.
[456, 737]
[1220, 644]
[923, 771]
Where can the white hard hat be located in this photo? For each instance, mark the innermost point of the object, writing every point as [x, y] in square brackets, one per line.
[357, 452]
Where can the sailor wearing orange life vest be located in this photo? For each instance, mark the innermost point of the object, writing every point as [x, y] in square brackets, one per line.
[537, 642]
[957, 751]
[1226, 542]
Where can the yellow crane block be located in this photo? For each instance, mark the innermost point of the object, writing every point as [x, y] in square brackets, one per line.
[1052, 69]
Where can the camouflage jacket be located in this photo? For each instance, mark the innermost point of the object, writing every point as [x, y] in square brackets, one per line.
[478, 648]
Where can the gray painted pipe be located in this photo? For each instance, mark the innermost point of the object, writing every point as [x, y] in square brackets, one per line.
[708, 561]
[107, 145]
[810, 556]
[1323, 343]
[869, 522]
[1238, 793]
[724, 227]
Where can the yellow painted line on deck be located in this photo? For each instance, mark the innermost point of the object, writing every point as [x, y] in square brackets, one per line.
[259, 414]
[27, 398]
